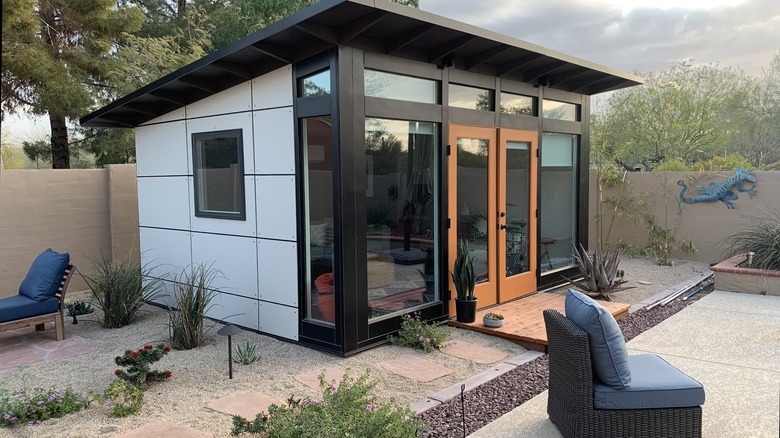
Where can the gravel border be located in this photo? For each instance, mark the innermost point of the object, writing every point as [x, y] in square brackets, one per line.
[495, 398]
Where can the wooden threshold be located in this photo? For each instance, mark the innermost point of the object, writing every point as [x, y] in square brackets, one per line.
[523, 320]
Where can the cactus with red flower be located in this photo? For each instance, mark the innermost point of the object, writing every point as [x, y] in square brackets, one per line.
[138, 364]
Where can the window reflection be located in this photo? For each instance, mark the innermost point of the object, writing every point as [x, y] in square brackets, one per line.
[401, 200]
[517, 104]
[316, 84]
[553, 109]
[400, 87]
[558, 211]
[473, 201]
[462, 96]
[318, 152]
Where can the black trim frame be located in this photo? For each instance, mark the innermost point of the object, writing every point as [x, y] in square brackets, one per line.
[196, 165]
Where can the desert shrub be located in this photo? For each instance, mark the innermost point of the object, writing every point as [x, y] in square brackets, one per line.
[599, 271]
[33, 406]
[246, 353]
[416, 333]
[119, 290]
[193, 296]
[760, 235]
[346, 410]
[139, 362]
[125, 397]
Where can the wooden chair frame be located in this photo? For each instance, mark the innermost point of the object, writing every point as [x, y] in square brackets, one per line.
[58, 318]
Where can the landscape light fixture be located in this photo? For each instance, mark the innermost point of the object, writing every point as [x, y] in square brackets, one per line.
[229, 330]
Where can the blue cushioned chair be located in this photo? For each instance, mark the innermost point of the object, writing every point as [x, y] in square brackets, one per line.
[41, 297]
[660, 400]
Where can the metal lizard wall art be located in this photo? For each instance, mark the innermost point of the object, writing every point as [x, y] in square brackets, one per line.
[722, 192]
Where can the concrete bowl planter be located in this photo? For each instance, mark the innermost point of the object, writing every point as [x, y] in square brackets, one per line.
[730, 276]
[493, 320]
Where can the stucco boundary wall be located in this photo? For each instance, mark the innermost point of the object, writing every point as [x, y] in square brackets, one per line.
[90, 213]
[706, 224]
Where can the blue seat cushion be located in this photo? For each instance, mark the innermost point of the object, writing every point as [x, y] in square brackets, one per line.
[21, 306]
[607, 346]
[654, 384]
[44, 277]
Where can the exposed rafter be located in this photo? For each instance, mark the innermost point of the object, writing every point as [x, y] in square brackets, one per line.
[439, 52]
[402, 40]
[515, 64]
[324, 33]
[239, 70]
[277, 52]
[485, 55]
[200, 84]
[169, 96]
[535, 73]
[357, 27]
[143, 109]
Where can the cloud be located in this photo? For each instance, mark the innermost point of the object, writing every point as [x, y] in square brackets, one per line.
[641, 39]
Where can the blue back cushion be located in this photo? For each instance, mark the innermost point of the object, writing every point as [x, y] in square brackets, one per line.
[607, 347]
[43, 278]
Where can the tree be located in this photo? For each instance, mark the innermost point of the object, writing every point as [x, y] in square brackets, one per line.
[683, 114]
[55, 53]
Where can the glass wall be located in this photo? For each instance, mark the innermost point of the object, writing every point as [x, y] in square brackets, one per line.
[552, 109]
[318, 183]
[558, 211]
[400, 87]
[401, 215]
[462, 96]
[517, 104]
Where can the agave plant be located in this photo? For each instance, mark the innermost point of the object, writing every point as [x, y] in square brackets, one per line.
[463, 272]
[246, 353]
[599, 272]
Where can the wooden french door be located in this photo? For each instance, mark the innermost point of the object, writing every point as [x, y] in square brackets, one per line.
[492, 205]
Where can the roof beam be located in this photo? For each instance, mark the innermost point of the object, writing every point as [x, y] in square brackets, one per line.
[199, 84]
[606, 85]
[169, 96]
[535, 73]
[567, 76]
[442, 50]
[118, 121]
[325, 33]
[486, 55]
[514, 64]
[403, 40]
[586, 81]
[355, 28]
[143, 109]
[273, 51]
[238, 70]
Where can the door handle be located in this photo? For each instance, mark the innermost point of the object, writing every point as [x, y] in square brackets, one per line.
[501, 214]
[502, 226]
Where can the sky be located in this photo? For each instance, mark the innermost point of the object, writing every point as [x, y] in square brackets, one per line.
[631, 35]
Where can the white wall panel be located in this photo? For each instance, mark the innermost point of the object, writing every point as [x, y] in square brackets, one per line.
[279, 320]
[224, 123]
[235, 99]
[277, 267]
[234, 257]
[274, 141]
[177, 114]
[236, 310]
[165, 292]
[164, 202]
[276, 208]
[162, 149]
[166, 252]
[246, 227]
[273, 89]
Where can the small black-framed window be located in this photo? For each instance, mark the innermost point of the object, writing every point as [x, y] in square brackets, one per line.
[218, 168]
[315, 84]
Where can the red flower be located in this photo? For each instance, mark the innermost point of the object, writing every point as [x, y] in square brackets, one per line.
[117, 372]
[167, 348]
[168, 374]
[148, 347]
[161, 345]
[134, 355]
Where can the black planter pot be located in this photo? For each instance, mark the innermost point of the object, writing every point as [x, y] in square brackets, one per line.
[466, 310]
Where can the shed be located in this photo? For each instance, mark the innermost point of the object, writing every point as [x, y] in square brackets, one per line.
[328, 164]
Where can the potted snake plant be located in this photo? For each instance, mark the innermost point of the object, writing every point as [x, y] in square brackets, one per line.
[464, 279]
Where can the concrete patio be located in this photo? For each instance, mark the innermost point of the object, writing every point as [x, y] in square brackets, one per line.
[728, 341]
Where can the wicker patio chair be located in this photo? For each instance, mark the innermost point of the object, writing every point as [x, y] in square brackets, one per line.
[570, 402]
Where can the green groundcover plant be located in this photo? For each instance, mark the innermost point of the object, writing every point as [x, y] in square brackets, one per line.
[33, 406]
[344, 410]
[416, 333]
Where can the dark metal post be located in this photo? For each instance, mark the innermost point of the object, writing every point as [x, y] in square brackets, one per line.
[230, 356]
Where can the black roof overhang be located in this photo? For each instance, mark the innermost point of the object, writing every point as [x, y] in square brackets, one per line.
[374, 25]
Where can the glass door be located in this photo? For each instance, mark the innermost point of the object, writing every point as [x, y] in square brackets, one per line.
[492, 205]
[516, 213]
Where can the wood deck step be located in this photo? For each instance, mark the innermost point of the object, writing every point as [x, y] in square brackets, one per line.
[523, 320]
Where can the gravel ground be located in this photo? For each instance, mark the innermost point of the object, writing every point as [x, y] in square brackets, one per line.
[200, 375]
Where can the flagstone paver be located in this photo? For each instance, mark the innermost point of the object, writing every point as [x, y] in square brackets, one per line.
[25, 346]
[473, 352]
[244, 403]
[161, 429]
[312, 378]
[416, 368]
